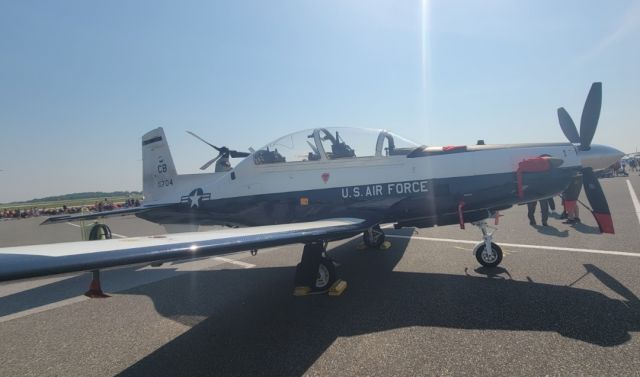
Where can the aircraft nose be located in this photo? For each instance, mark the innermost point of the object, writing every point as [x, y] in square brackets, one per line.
[599, 157]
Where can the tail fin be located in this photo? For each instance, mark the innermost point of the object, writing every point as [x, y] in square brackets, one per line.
[158, 171]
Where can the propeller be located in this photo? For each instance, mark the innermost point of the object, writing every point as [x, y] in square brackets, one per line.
[588, 120]
[588, 125]
[223, 152]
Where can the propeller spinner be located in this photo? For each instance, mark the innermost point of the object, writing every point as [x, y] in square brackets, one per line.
[223, 152]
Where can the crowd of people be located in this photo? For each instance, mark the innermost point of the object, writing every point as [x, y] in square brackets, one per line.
[99, 206]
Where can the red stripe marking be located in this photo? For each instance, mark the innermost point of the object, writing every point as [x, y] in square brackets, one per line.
[605, 222]
[449, 148]
[570, 205]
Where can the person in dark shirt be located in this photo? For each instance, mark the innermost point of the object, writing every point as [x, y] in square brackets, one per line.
[544, 209]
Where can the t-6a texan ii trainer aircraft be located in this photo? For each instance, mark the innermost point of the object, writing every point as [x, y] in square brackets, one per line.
[325, 184]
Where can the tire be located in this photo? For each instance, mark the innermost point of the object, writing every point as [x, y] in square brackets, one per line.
[374, 238]
[488, 259]
[100, 232]
[326, 276]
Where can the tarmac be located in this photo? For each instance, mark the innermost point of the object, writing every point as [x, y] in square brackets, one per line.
[564, 301]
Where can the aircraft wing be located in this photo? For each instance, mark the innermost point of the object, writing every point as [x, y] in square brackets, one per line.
[23, 262]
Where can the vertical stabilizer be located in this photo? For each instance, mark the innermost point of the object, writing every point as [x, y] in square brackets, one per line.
[158, 171]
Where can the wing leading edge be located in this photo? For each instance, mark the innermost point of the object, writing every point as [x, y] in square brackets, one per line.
[23, 262]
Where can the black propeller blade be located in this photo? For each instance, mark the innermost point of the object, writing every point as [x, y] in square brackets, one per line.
[236, 154]
[204, 141]
[590, 115]
[224, 152]
[588, 120]
[208, 163]
[597, 200]
[588, 125]
[568, 127]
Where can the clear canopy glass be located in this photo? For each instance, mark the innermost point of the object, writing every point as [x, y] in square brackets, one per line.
[333, 143]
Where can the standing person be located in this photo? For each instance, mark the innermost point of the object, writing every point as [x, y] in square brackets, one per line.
[544, 209]
[571, 195]
[552, 204]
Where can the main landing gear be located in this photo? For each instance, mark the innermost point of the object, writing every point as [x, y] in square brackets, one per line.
[316, 272]
[98, 232]
[487, 253]
[373, 237]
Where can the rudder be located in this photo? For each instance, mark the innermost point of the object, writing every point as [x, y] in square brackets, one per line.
[158, 171]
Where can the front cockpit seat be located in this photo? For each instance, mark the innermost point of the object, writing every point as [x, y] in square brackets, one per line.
[268, 157]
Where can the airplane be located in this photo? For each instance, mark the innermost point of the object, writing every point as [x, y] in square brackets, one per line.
[327, 184]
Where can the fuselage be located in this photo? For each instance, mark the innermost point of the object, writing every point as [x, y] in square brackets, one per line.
[423, 187]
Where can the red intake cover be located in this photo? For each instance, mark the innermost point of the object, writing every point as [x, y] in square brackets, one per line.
[534, 165]
[531, 165]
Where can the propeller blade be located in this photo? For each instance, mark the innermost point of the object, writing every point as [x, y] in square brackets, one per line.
[313, 148]
[203, 140]
[568, 127]
[590, 115]
[597, 200]
[236, 154]
[205, 166]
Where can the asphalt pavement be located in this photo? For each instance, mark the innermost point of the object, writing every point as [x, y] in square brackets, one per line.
[563, 302]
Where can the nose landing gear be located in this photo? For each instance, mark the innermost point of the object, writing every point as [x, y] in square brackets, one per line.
[487, 253]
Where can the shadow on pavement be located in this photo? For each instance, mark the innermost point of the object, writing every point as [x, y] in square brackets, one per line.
[252, 325]
[551, 231]
[582, 228]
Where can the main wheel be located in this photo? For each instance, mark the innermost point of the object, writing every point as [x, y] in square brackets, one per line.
[488, 258]
[373, 237]
[326, 275]
[99, 232]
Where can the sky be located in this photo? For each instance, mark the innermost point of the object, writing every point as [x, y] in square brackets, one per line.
[82, 81]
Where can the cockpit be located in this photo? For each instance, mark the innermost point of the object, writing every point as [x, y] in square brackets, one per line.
[322, 144]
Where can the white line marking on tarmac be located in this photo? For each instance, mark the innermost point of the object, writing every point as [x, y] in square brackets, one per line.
[538, 247]
[634, 199]
[113, 234]
[236, 262]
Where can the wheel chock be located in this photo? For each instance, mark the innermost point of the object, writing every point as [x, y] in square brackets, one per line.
[337, 288]
[301, 291]
[386, 245]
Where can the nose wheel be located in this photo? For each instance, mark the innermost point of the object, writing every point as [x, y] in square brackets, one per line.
[487, 253]
[488, 257]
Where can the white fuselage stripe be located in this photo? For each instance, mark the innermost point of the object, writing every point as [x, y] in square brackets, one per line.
[537, 247]
[634, 199]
